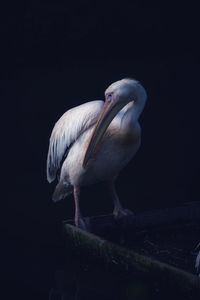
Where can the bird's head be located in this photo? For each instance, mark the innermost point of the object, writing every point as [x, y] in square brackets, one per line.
[117, 95]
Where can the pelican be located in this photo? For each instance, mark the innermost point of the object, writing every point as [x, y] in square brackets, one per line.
[94, 141]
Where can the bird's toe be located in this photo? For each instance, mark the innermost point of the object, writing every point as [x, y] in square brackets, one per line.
[120, 213]
[124, 214]
[124, 217]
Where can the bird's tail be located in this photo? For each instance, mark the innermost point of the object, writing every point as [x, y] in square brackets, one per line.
[62, 190]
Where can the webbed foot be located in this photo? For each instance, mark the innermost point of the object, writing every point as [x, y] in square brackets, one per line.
[123, 212]
[124, 217]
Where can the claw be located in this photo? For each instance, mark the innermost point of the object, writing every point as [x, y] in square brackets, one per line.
[120, 213]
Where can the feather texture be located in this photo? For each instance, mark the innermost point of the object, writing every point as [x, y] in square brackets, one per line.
[67, 130]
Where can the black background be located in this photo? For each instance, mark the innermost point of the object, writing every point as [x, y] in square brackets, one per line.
[56, 55]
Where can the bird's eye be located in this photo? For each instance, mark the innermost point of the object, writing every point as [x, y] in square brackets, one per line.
[109, 97]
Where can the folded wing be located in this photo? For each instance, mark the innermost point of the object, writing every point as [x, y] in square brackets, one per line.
[67, 130]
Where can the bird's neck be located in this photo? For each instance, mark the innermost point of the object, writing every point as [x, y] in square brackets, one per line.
[129, 115]
[132, 111]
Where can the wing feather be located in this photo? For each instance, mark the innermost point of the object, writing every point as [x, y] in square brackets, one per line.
[66, 131]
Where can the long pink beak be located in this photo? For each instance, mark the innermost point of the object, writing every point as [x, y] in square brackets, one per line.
[108, 113]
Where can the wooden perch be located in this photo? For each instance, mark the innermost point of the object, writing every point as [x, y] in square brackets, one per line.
[98, 251]
[155, 220]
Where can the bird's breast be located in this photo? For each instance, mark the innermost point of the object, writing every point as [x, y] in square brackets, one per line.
[126, 137]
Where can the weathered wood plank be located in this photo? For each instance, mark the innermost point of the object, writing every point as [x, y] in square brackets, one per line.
[99, 251]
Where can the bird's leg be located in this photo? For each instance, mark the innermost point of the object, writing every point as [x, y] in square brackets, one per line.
[78, 219]
[115, 198]
[118, 211]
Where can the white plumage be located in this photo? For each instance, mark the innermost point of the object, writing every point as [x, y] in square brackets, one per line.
[67, 130]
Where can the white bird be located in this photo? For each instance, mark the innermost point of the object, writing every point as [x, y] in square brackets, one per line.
[94, 141]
